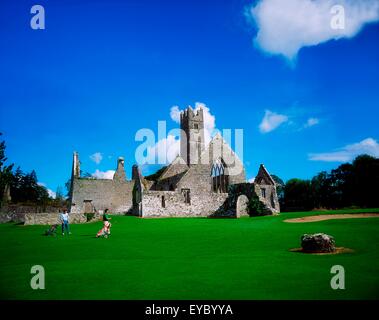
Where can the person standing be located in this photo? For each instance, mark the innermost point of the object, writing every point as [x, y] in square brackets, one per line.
[65, 222]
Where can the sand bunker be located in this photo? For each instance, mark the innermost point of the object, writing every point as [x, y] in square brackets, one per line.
[332, 217]
[339, 250]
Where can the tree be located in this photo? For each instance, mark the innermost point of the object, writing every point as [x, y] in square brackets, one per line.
[321, 190]
[342, 186]
[67, 186]
[279, 187]
[365, 178]
[59, 194]
[298, 195]
[350, 184]
[5, 170]
[25, 188]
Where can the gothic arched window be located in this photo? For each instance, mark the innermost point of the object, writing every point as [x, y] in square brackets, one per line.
[220, 179]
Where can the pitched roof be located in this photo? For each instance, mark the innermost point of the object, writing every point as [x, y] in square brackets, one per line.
[264, 173]
[175, 167]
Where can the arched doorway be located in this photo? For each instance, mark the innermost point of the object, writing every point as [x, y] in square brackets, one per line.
[242, 206]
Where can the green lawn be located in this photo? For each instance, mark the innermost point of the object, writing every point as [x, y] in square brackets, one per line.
[197, 258]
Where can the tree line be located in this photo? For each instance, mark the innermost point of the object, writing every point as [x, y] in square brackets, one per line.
[350, 185]
[24, 187]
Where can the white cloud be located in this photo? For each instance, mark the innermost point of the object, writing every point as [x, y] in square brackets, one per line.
[271, 121]
[368, 146]
[108, 175]
[284, 27]
[209, 122]
[251, 180]
[51, 193]
[312, 122]
[96, 157]
[168, 149]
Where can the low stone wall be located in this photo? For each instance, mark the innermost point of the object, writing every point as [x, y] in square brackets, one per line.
[202, 205]
[51, 218]
[17, 213]
[23, 209]
[12, 217]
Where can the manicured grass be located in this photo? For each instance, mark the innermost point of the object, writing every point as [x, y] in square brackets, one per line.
[246, 258]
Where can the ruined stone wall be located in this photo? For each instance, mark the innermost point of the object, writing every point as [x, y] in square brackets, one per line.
[171, 176]
[202, 205]
[249, 190]
[51, 218]
[12, 217]
[198, 179]
[168, 184]
[17, 213]
[237, 190]
[271, 199]
[117, 196]
[22, 209]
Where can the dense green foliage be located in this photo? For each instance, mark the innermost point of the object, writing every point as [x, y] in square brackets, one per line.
[192, 258]
[5, 170]
[347, 186]
[256, 207]
[24, 187]
[297, 195]
[279, 186]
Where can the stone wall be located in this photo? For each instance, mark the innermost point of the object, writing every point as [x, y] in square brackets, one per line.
[115, 195]
[202, 205]
[198, 179]
[12, 217]
[265, 188]
[51, 218]
[22, 209]
[171, 176]
[269, 199]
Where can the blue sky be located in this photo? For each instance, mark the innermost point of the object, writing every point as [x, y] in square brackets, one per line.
[102, 70]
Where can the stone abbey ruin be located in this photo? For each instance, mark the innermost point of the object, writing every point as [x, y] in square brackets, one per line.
[203, 181]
